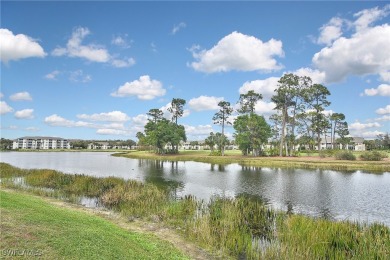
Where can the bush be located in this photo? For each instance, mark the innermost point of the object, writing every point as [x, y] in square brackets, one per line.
[373, 156]
[215, 153]
[345, 155]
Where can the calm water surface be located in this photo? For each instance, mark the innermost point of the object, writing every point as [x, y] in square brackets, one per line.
[356, 195]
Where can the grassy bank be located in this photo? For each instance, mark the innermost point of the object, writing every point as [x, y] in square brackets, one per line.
[304, 162]
[230, 228]
[31, 227]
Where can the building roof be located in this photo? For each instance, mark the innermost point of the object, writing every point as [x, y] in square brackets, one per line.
[40, 137]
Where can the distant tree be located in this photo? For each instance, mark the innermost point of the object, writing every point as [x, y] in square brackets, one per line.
[284, 99]
[336, 120]
[156, 114]
[252, 131]
[211, 141]
[177, 108]
[221, 117]
[5, 144]
[316, 97]
[248, 102]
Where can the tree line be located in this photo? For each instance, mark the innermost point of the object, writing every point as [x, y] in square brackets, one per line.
[299, 119]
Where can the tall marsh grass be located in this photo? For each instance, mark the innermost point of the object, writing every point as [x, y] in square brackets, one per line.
[240, 227]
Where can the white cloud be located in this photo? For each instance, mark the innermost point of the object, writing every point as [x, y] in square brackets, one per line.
[199, 132]
[381, 90]
[383, 111]
[123, 63]
[140, 120]
[78, 76]
[383, 118]
[241, 52]
[52, 75]
[144, 88]
[385, 76]
[56, 120]
[20, 46]
[5, 108]
[114, 116]
[368, 16]
[330, 31]
[106, 131]
[25, 114]
[32, 129]
[360, 126]
[317, 77]
[266, 87]
[21, 96]
[178, 27]
[204, 103]
[93, 52]
[364, 53]
[263, 107]
[122, 41]
[369, 134]
[74, 48]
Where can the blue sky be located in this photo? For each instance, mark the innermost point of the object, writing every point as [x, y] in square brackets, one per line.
[92, 70]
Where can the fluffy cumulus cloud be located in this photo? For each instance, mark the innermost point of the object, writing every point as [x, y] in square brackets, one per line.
[144, 88]
[168, 114]
[19, 46]
[140, 120]
[381, 90]
[25, 114]
[114, 116]
[264, 108]
[199, 132]
[330, 31]
[266, 87]
[361, 126]
[21, 96]
[56, 120]
[384, 110]
[365, 52]
[90, 52]
[5, 108]
[122, 41]
[204, 103]
[75, 48]
[317, 77]
[240, 52]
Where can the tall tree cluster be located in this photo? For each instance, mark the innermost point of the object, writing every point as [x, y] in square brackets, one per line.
[300, 111]
[161, 132]
[300, 118]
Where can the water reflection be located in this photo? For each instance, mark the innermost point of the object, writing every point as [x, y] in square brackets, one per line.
[353, 195]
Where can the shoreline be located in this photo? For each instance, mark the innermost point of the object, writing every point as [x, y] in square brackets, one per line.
[303, 162]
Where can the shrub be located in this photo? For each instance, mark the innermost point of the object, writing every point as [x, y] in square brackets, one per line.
[345, 155]
[216, 153]
[373, 156]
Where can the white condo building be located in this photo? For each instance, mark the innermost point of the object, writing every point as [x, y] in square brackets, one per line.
[40, 142]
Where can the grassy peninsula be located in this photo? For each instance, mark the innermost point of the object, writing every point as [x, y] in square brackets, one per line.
[304, 161]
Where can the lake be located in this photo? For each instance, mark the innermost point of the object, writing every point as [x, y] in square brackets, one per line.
[356, 195]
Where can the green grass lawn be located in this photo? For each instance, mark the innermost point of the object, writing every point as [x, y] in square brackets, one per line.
[31, 226]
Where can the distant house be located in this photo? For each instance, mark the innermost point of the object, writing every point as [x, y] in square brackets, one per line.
[99, 146]
[40, 142]
[356, 144]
